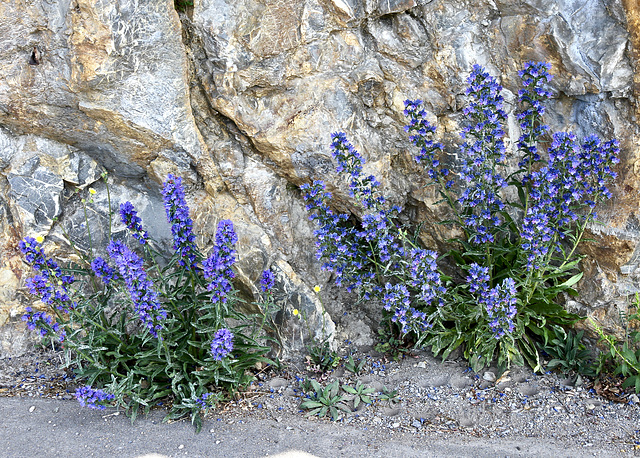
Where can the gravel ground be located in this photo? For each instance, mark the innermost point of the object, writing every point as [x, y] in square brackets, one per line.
[435, 401]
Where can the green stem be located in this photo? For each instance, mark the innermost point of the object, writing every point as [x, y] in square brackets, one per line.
[613, 346]
[149, 251]
[86, 221]
[530, 140]
[447, 196]
[581, 230]
[109, 210]
[73, 245]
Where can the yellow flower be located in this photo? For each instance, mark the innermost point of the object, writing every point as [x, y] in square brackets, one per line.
[295, 312]
[92, 191]
[39, 239]
[316, 289]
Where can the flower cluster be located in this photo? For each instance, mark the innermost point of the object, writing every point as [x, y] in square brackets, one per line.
[483, 149]
[478, 278]
[43, 323]
[534, 76]
[336, 242]
[34, 254]
[202, 401]
[574, 177]
[93, 398]
[103, 270]
[596, 160]
[222, 344]
[267, 281]
[377, 226]
[177, 210]
[50, 285]
[218, 266]
[350, 162]
[421, 134]
[425, 276]
[140, 287]
[397, 300]
[500, 304]
[377, 231]
[130, 218]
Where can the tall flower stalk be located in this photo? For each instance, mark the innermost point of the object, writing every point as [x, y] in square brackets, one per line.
[218, 266]
[143, 295]
[177, 211]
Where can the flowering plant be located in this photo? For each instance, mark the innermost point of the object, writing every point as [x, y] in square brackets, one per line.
[515, 257]
[143, 333]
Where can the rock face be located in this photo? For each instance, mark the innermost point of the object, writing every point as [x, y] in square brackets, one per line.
[239, 98]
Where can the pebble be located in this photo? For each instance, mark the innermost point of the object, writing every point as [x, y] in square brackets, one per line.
[489, 376]
[543, 406]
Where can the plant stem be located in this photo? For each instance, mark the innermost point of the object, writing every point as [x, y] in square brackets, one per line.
[109, 211]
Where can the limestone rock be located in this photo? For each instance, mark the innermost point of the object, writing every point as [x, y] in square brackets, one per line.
[109, 79]
[239, 98]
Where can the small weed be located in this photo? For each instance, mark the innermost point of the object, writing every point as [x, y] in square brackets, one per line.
[321, 358]
[324, 400]
[389, 396]
[362, 394]
[390, 344]
[569, 354]
[353, 366]
[623, 356]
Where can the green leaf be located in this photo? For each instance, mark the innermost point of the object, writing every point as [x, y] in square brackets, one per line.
[310, 404]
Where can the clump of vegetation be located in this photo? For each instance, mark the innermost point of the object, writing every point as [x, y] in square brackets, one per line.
[515, 257]
[623, 356]
[138, 333]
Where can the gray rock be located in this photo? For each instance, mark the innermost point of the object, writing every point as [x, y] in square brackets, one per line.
[239, 98]
[36, 191]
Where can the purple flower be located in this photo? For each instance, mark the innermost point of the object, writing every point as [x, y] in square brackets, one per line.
[500, 304]
[181, 225]
[34, 254]
[397, 300]
[534, 76]
[483, 149]
[350, 163]
[144, 298]
[574, 177]
[218, 266]
[267, 281]
[339, 245]
[93, 398]
[425, 276]
[222, 344]
[50, 285]
[421, 134]
[202, 400]
[478, 278]
[42, 322]
[130, 218]
[103, 270]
